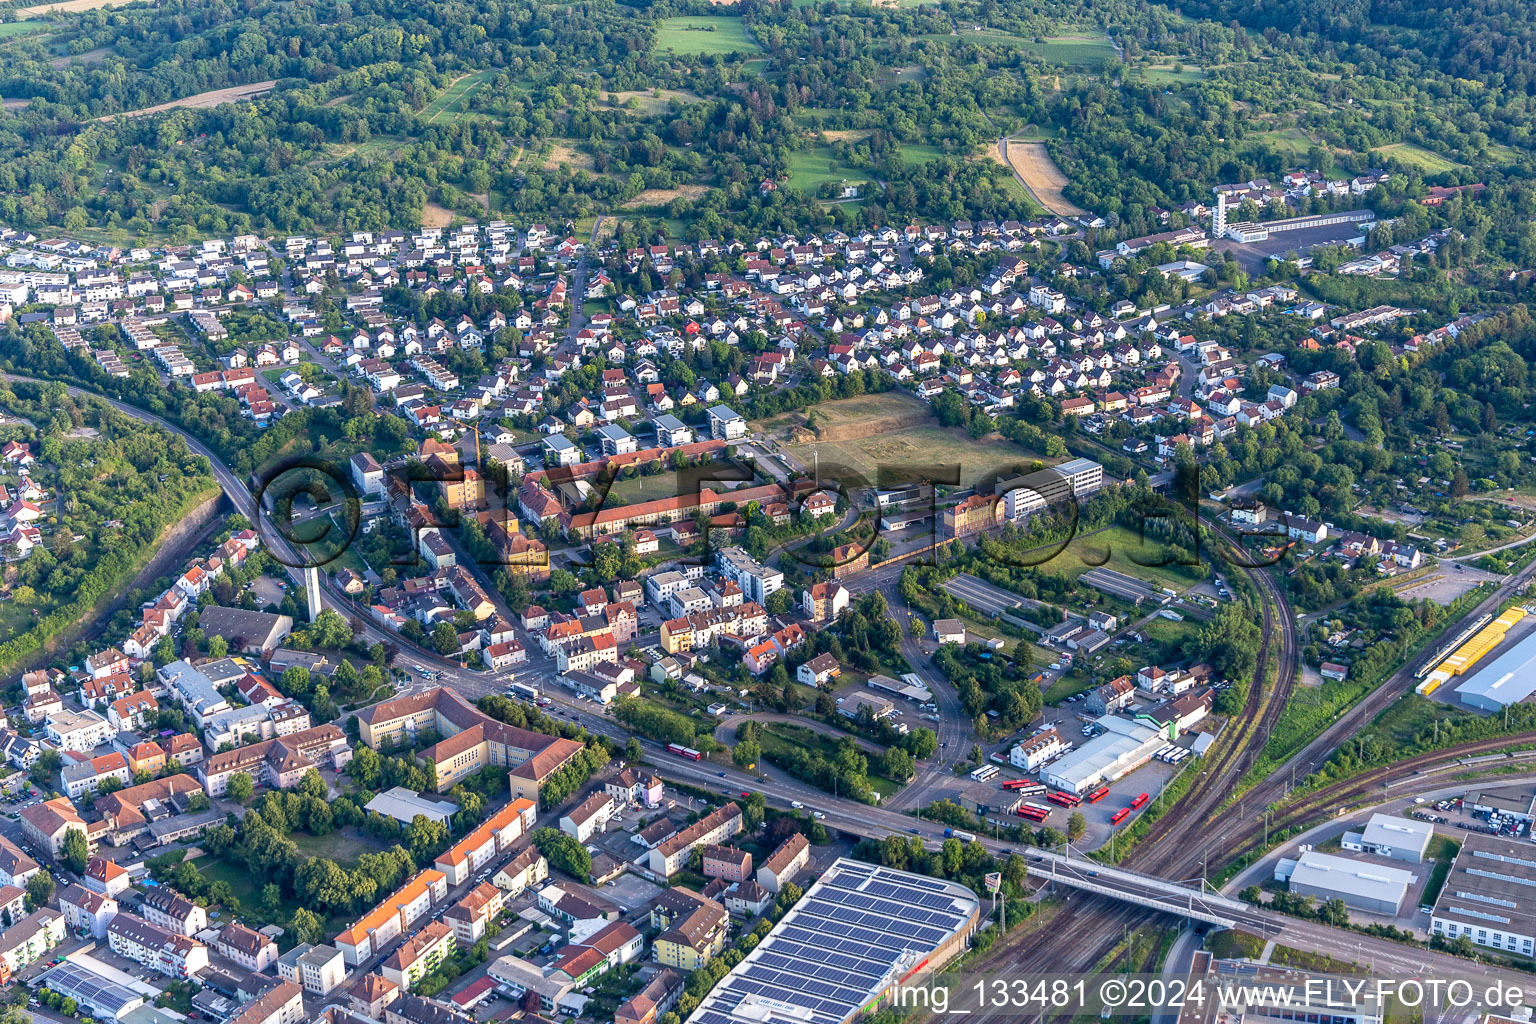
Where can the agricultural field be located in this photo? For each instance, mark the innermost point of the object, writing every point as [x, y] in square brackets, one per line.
[889, 410]
[454, 102]
[1045, 182]
[704, 35]
[1169, 73]
[1418, 158]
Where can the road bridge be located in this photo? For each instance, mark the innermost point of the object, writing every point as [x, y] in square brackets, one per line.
[1147, 891]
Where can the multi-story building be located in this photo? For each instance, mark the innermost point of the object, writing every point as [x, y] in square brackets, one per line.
[588, 817]
[85, 777]
[1035, 750]
[278, 763]
[173, 955]
[281, 1004]
[494, 836]
[86, 911]
[727, 862]
[756, 580]
[80, 731]
[653, 1001]
[823, 602]
[974, 514]
[28, 939]
[669, 857]
[473, 739]
[528, 868]
[784, 863]
[419, 955]
[473, 916]
[45, 824]
[691, 929]
[246, 947]
[166, 908]
[317, 969]
[381, 925]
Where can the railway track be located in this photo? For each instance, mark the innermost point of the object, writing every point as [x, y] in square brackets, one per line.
[1314, 805]
[1087, 931]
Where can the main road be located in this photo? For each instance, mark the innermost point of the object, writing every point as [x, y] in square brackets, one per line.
[847, 815]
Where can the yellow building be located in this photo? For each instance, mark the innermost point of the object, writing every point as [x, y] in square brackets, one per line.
[694, 926]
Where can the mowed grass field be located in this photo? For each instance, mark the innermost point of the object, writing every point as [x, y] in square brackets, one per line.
[1072, 50]
[920, 447]
[1124, 551]
[9, 29]
[832, 417]
[698, 34]
[454, 102]
[809, 168]
[1418, 158]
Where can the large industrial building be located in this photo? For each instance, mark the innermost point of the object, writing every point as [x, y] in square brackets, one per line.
[1361, 885]
[1508, 679]
[1125, 745]
[856, 932]
[1490, 895]
[1023, 496]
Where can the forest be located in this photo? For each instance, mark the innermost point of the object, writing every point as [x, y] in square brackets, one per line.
[380, 111]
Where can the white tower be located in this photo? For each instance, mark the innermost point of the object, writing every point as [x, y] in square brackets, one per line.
[1219, 218]
[312, 591]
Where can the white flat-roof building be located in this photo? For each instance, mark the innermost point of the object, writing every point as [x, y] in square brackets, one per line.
[1387, 835]
[1124, 745]
[1490, 895]
[1508, 679]
[1369, 887]
[403, 805]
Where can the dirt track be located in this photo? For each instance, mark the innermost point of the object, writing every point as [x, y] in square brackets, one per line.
[214, 98]
[1033, 165]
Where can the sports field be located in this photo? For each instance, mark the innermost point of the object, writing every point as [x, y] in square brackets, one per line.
[698, 34]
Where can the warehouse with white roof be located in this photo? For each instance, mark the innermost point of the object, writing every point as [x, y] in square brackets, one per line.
[1388, 835]
[1362, 886]
[1125, 745]
[1508, 679]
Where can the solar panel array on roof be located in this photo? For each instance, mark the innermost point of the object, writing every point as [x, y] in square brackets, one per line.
[859, 928]
[101, 996]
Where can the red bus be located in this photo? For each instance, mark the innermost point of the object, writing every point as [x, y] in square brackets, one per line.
[1098, 794]
[1119, 815]
[1024, 786]
[1061, 799]
[1138, 801]
[682, 751]
[1034, 812]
